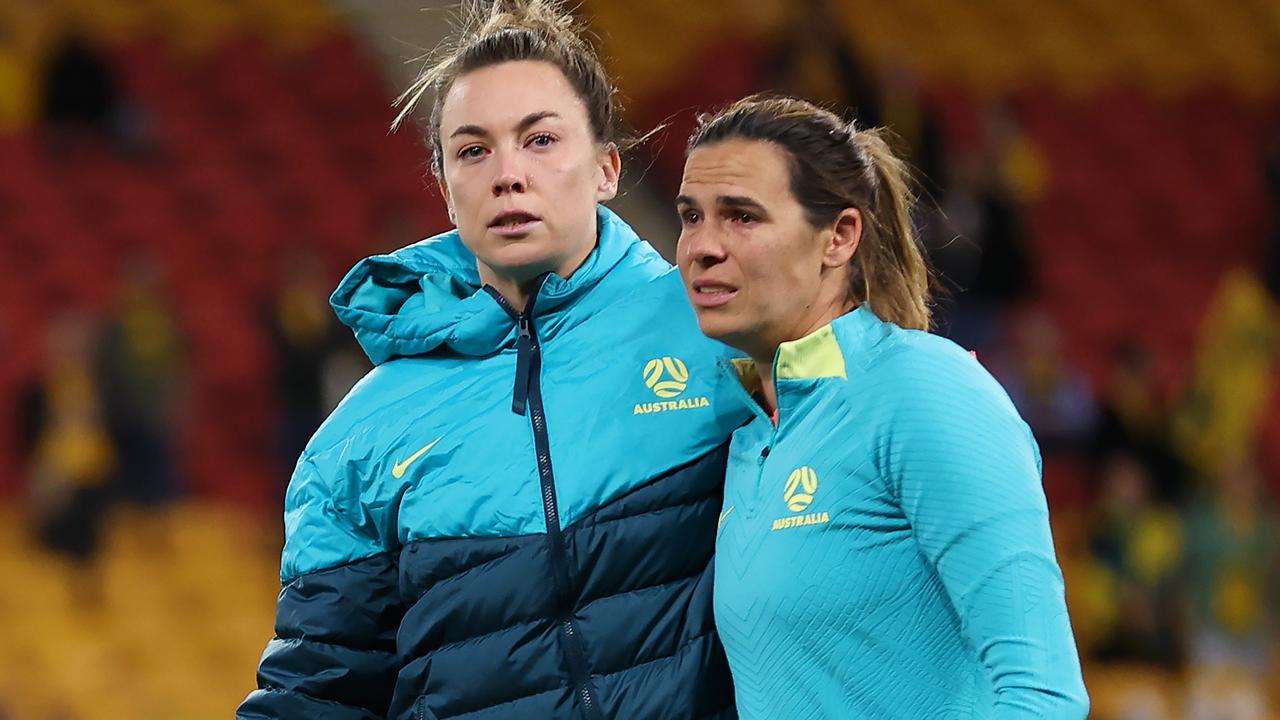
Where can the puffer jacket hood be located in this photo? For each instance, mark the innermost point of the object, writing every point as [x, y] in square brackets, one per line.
[429, 294]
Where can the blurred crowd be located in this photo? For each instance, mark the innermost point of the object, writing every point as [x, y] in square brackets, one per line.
[1164, 497]
[101, 425]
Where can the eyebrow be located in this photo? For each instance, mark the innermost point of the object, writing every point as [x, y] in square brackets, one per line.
[740, 201]
[729, 201]
[525, 123]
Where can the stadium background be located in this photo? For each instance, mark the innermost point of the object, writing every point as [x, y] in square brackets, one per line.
[183, 182]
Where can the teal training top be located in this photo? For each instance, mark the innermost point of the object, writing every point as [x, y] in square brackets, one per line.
[884, 552]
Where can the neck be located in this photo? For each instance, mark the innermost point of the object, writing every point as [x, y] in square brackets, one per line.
[764, 368]
[823, 314]
[514, 291]
[517, 285]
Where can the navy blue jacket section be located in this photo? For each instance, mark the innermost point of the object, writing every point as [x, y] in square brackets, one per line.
[318, 666]
[485, 636]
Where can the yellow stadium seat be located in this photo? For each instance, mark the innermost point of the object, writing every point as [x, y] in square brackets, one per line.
[89, 661]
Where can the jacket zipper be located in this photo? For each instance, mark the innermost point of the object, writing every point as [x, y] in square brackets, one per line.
[527, 396]
[524, 353]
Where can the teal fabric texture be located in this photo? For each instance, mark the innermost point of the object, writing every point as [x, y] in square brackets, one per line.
[884, 551]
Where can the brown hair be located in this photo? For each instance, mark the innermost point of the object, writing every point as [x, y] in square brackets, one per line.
[492, 33]
[835, 166]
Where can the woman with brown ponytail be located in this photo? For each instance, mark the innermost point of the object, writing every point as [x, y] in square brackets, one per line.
[884, 548]
[512, 516]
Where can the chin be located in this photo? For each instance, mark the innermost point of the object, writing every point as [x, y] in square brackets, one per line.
[715, 325]
[519, 256]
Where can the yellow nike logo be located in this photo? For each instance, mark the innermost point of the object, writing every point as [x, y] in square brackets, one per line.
[724, 516]
[398, 470]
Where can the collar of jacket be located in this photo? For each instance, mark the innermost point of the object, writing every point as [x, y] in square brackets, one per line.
[429, 294]
[823, 353]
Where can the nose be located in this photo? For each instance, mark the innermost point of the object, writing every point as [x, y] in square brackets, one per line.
[701, 246]
[511, 177]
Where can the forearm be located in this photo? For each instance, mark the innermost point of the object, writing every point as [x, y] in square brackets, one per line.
[1015, 616]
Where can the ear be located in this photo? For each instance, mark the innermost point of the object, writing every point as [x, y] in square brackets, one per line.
[843, 238]
[610, 162]
[448, 201]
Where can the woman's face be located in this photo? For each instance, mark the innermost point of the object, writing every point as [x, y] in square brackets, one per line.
[757, 272]
[522, 170]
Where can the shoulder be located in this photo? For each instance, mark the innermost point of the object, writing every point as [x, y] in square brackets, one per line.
[640, 270]
[644, 299]
[926, 379]
[377, 395]
[924, 362]
[931, 407]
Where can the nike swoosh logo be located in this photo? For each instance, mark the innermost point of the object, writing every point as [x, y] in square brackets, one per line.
[398, 470]
[724, 516]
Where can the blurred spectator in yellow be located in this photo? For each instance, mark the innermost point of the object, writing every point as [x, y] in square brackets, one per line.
[1138, 541]
[73, 457]
[1232, 572]
[1223, 407]
[139, 366]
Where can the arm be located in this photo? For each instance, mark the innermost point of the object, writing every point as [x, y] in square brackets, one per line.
[967, 473]
[336, 618]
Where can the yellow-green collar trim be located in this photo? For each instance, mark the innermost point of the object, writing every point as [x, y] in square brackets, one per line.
[816, 355]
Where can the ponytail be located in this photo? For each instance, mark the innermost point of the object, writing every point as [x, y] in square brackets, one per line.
[894, 276]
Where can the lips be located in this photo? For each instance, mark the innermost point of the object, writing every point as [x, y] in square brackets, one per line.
[512, 217]
[711, 293]
[513, 223]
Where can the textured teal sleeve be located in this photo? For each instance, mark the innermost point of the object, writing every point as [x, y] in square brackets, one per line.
[322, 530]
[966, 471]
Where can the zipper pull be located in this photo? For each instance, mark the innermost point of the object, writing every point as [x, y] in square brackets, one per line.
[524, 347]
